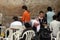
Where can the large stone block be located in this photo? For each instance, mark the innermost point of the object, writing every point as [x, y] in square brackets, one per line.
[11, 8]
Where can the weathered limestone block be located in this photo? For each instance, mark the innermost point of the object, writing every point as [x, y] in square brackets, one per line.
[11, 8]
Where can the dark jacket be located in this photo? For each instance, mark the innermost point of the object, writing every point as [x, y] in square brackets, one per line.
[42, 21]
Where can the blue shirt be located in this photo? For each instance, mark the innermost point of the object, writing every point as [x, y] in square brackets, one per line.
[50, 15]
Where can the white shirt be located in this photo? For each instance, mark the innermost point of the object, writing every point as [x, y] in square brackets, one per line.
[54, 27]
[15, 24]
[50, 15]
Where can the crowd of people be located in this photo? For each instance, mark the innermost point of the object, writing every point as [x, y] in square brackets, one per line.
[48, 23]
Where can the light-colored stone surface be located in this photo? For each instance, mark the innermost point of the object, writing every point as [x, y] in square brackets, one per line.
[11, 8]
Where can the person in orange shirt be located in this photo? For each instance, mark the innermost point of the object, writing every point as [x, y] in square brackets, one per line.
[26, 15]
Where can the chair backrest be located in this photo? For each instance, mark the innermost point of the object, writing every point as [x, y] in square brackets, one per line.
[58, 36]
[15, 35]
[29, 34]
[8, 32]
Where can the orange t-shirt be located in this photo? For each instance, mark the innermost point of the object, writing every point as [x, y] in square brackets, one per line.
[26, 16]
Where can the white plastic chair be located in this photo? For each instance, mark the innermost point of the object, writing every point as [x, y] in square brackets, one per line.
[58, 36]
[52, 37]
[29, 35]
[8, 35]
[10, 32]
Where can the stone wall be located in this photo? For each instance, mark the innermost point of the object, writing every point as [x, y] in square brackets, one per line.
[11, 8]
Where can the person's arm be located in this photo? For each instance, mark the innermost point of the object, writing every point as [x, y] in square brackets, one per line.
[23, 17]
[45, 20]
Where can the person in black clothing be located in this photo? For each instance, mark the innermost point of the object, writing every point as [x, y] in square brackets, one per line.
[58, 16]
[44, 32]
[42, 18]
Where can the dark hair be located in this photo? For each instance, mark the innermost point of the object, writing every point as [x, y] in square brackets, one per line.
[41, 12]
[49, 9]
[15, 18]
[54, 17]
[24, 7]
[58, 16]
[0, 24]
[27, 25]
